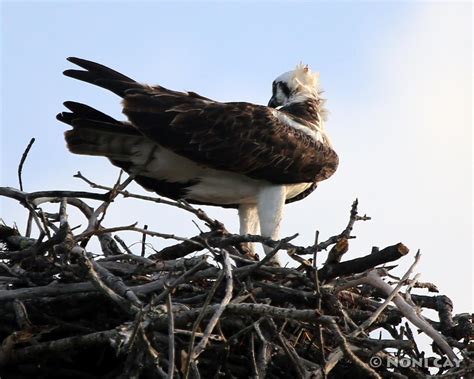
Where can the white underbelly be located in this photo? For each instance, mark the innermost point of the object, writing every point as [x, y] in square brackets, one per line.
[212, 186]
[228, 188]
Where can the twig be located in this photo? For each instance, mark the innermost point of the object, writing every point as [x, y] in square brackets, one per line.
[37, 248]
[348, 229]
[171, 331]
[127, 305]
[214, 224]
[131, 228]
[411, 315]
[371, 278]
[215, 317]
[337, 251]
[349, 354]
[261, 310]
[35, 352]
[62, 212]
[315, 266]
[39, 197]
[263, 354]
[180, 279]
[202, 313]
[101, 210]
[21, 315]
[252, 357]
[28, 225]
[123, 244]
[145, 227]
[154, 355]
[212, 337]
[22, 162]
[268, 258]
[319, 330]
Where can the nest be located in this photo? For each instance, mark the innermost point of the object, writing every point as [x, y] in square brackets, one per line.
[206, 307]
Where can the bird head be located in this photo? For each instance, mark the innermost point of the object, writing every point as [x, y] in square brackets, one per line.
[295, 85]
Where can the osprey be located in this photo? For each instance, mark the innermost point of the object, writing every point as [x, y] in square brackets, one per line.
[182, 145]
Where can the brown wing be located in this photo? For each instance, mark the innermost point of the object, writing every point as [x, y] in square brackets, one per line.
[239, 137]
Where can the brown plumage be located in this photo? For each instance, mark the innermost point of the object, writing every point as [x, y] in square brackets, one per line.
[184, 145]
[239, 137]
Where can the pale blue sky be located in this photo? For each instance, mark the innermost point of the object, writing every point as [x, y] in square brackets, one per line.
[396, 75]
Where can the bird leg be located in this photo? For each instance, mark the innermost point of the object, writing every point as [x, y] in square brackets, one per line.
[249, 224]
[270, 204]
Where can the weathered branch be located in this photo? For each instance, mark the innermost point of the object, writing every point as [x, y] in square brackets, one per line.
[357, 265]
[186, 311]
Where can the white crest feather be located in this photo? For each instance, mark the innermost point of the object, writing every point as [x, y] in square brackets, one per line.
[303, 76]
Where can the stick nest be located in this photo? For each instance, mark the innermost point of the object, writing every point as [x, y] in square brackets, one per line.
[206, 307]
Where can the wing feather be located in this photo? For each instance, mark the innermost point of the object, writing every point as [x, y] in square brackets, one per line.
[238, 137]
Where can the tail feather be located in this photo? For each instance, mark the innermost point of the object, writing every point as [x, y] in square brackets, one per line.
[95, 133]
[82, 111]
[98, 68]
[87, 140]
[101, 76]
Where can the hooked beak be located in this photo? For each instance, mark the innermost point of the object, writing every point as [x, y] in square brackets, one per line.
[273, 102]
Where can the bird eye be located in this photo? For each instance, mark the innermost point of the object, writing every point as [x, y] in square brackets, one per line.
[285, 89]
